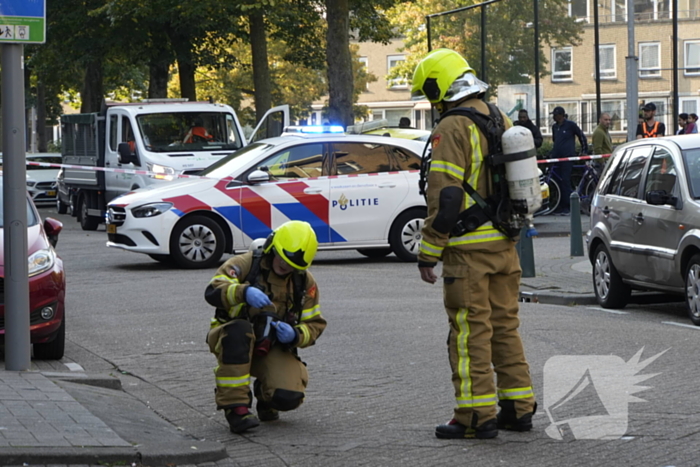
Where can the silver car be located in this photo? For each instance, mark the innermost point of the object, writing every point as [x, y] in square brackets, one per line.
[645, 222]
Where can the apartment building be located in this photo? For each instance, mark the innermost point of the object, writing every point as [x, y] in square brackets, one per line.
[571, 83]
[386, 99]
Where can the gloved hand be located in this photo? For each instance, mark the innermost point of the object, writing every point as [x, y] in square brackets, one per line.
[256, 298]
[285, 333]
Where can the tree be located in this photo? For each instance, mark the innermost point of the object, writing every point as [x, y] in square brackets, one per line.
[367, 20]
[509, 46]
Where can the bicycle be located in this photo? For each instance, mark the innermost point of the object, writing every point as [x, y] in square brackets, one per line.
[583, 184]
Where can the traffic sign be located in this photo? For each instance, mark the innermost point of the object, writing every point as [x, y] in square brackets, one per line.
[23, 21]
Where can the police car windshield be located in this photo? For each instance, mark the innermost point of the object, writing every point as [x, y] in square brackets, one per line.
[241, 158]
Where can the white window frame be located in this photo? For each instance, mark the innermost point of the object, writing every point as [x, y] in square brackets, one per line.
[609, 73]
[684, 108]
[396, 83]
[650, 72]
[365, 64]
[690, 70]
[588, 10]
[558, 76]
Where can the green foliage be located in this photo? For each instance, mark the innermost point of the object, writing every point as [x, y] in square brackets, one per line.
[509, 38]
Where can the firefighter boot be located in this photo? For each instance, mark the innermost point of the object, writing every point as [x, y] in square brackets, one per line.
[240, 419]
[455, 430]
[265, 412]
[508, 419]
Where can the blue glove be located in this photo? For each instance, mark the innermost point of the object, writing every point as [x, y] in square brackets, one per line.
[285, 333]
[256, 298]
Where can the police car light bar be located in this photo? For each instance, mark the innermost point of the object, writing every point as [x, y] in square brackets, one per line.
[315, 129]
[368, 126]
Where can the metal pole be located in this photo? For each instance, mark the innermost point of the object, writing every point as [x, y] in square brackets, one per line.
[576, 242]
[483, 45]
[597, 60]
[676, 108]
[17, 343]
[537, 62]
[427, 25]
[632, 76]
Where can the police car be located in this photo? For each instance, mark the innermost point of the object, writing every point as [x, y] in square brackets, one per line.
[357, 192]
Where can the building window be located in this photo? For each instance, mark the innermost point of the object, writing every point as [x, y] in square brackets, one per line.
[562, 64]
[607, 62]
[364, 61]
[692, 58]
[650, 60]
[393, 61]
[572, 113]
[616, 110]
[578, 9]
[689, 105]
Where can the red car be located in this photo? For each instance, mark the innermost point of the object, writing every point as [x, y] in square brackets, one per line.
[47, 285]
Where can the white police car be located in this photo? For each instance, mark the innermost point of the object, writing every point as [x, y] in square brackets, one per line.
[357, 192]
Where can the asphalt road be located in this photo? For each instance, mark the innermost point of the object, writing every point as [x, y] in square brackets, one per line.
[380, 379]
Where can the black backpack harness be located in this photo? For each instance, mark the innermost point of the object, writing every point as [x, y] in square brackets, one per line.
[496, 208]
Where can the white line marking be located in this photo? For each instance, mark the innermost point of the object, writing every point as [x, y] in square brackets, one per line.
[74, 367]
[614, 312]
[690, 326]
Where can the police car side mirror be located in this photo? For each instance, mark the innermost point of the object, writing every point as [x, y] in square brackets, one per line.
[258, 176]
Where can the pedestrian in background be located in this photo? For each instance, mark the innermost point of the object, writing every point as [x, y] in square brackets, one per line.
[650, 128]
[602, 142]
[524, 120]
[564, 134]
[692, 126]
[481, 269]
[682, 122]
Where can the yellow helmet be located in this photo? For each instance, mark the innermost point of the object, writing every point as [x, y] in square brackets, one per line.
[295, 242]
[436, 72]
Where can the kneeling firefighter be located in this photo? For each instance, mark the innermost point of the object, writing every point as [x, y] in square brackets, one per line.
[267, 306]
[472, 226]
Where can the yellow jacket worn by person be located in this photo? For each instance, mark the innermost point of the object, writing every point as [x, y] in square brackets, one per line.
[481, 274]
[281, 376]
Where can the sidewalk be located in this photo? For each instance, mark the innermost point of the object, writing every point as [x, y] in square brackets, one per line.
[54, 417]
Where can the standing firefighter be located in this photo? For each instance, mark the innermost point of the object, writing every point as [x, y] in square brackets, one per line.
[267, 307]
[481, 270]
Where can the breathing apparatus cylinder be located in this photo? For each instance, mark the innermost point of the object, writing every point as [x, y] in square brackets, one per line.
[520, 158]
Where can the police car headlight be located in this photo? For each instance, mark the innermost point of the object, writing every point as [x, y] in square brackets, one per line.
[151, 210]
[41, 261]
[161, 172]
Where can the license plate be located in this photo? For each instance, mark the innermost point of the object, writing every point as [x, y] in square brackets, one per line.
[51, 193]
[111, 229]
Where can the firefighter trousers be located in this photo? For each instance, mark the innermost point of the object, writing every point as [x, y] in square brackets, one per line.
[481, 300]
[281, 376]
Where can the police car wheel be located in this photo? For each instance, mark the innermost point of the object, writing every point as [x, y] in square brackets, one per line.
[374, 252]
[405, 234]
[197, 242]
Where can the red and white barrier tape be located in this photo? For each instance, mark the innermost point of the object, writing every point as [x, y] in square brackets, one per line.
[121, 171]
[578, 158]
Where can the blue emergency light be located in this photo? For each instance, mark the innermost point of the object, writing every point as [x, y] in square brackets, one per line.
[315, 129]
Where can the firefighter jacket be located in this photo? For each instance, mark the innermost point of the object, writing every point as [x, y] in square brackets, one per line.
[458, 150]
[226, 291]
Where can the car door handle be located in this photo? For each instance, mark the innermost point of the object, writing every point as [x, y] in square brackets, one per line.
[387, 185]
[606, 211]
[312, 191]
[639, 217]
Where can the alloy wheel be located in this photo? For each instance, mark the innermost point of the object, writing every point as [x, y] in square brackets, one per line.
[692, 283]
[197, 243]
[602, 275]
[411, 235]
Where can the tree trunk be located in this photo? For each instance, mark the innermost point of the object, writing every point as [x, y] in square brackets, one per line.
[158, 79]
[41, 116]
[92, 93]
[340, 79]
[261, 68]
[182, 45]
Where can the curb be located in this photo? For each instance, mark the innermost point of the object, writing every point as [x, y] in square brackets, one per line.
[557, 299]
